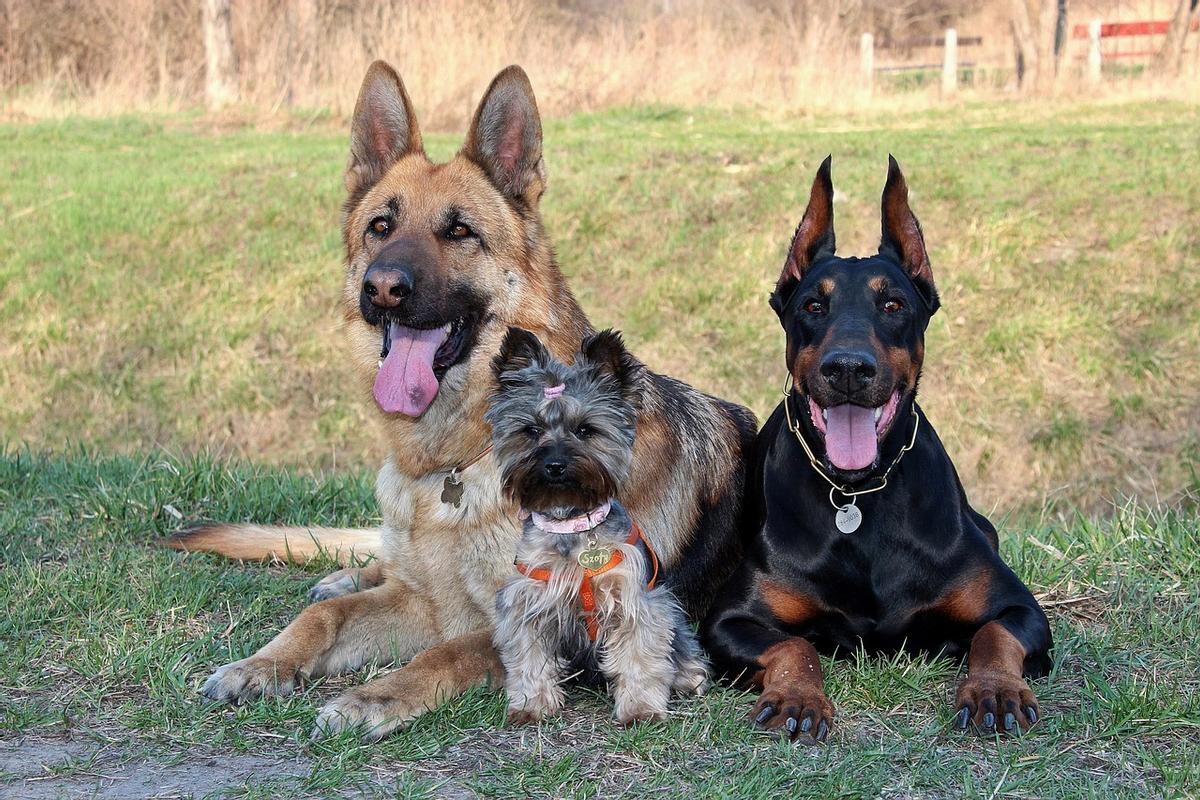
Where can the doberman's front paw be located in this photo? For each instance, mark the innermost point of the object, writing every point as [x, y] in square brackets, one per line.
[802, 713]
[995, 701]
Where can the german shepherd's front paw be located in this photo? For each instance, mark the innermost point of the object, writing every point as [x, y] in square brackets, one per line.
[374, 715]
[802, 713]
[249, 679]
[995, 701]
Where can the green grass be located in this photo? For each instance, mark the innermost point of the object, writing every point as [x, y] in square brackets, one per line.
[105, 640]
[165, 283]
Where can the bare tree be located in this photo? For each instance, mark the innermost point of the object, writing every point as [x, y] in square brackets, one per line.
[1170, 58]
[1036, 25]
[220, 74]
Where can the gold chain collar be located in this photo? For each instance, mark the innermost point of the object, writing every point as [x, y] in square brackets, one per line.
[794, 427]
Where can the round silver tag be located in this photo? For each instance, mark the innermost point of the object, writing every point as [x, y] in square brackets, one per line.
[848, 518]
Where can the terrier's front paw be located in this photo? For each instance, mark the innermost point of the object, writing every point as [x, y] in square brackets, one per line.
[694, 682]
[641, 704]
[629, 717]
[524, 716]
[526, 709]
[250, 679]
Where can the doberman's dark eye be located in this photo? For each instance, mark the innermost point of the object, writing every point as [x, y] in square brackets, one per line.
[584, 431]
[533, 431]
[458, 231]
[381, 227]
[892, 306]
[814, 307]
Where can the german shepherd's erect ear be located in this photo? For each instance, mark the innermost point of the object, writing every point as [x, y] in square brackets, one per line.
[505, 139]
[383, 131]
[606, 350]
[519, 350]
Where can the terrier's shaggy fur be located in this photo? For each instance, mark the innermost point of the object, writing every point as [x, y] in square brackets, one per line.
[563, 437]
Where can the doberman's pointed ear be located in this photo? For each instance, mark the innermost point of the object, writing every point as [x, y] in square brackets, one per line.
[814, 236]
[384, 129]
[902, 235]
[506, 137]
[606, 350]
[520, 349]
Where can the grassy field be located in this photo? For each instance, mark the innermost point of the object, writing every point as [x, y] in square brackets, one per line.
[167, 290]
[105, 639]
[167, 283]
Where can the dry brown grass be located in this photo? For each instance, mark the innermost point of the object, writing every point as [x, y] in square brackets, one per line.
[60, 57]
[139, 54]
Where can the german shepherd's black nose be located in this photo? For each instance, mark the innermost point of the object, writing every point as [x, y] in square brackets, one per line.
[849, 372]
[387, 285]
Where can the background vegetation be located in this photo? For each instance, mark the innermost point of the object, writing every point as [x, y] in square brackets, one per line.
[168, 283]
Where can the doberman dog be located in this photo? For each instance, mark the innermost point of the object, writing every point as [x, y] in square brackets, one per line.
[859, 531]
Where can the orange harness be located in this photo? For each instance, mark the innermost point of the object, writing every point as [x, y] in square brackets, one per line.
[587, 595]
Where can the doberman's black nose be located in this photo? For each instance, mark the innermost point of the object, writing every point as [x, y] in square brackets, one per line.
[387, 285]
[848, 372]
[554, 468]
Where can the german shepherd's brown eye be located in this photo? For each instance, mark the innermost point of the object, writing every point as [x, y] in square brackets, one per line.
[814, 307]
[381, 227]
[892, 306]
[458, 231]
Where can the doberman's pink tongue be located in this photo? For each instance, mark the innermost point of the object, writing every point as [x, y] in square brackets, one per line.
[406, 383]
[850, 440]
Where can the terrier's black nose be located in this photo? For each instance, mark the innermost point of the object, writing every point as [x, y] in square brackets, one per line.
[386, 286]
[849, 372]
[555, 468]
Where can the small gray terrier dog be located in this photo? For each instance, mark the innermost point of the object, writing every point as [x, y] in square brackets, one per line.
[583, 599]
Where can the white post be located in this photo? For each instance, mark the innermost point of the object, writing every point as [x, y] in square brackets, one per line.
[1093, 58]
[950, 64]
[220, 74]
[866, 60]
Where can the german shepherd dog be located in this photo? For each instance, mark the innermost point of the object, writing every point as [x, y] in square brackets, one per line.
[861, 533]
[440, 260]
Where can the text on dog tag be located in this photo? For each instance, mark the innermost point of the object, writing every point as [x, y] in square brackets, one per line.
[594, 556]
[848, 518]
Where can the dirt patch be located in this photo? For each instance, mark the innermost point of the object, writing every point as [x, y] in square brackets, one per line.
[33, 769]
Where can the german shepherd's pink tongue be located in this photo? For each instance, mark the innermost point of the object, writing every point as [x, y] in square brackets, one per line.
[850, 439]
[406, 383]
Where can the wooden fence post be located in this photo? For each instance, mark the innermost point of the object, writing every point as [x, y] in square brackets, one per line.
[220, 67]
[950, 64]
[866, 60]
[1093, 57]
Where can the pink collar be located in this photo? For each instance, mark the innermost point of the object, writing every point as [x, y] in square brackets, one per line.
[580, 524]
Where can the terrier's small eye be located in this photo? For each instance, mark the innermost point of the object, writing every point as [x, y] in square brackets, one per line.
[814, 307]
[533, 431]
[892, 306]
[381, 227]
[584, 431]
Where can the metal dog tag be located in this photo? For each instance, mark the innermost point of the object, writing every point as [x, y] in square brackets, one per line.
[848, 518]
[452, 490]
[594, 556]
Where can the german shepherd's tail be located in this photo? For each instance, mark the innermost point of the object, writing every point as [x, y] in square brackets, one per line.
[346, 546]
